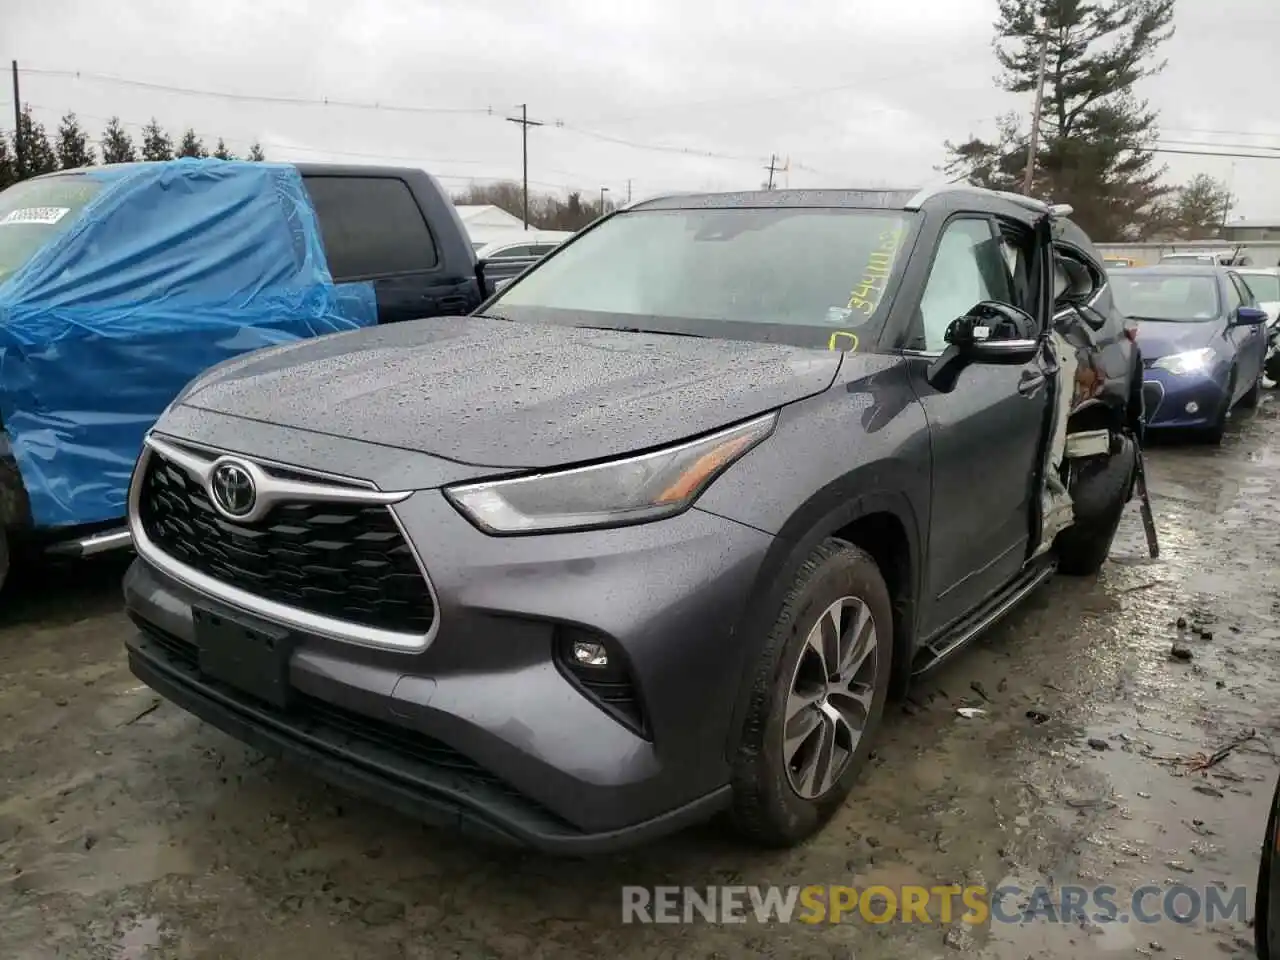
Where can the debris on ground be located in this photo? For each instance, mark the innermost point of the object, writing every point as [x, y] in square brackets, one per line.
[978, 688]
[1200, 762]
[971, 713]
[1208, 791]
[1180, 651]
[1035, 716]
[1099, 744]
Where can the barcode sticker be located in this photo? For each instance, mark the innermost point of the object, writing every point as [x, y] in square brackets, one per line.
[42, 215]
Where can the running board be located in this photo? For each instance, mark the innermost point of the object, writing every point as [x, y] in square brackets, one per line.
[933, 654]
[96, 543]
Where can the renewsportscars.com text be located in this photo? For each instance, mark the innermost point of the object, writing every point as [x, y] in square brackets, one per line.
[975, 905]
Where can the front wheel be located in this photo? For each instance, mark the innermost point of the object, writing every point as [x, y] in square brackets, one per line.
[1273, 367]
[1250, 399]
[1099, 493]
[819, 693]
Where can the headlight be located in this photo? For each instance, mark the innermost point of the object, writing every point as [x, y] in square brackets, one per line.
[635, 490]
[1193, 361]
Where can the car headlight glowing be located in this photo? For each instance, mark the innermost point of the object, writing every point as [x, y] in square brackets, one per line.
[632, 490]
[1192, 361]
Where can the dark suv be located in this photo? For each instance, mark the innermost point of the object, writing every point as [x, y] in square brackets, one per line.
[658, 531]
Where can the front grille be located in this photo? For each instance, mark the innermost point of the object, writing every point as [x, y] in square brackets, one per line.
[346, 561]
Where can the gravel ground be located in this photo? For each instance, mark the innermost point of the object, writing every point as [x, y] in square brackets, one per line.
[129, 830]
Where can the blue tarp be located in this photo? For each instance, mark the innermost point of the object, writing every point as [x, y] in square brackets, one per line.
[171, 268]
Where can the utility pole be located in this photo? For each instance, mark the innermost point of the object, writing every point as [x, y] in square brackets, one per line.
[628, 191]
[525, 124]
[1034, 144]
[773, 165]
[603, 191]
[18, 143]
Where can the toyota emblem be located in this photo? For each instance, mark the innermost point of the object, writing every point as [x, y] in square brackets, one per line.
[232, 490]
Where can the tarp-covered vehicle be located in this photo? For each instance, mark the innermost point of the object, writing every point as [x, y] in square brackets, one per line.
[117, 286]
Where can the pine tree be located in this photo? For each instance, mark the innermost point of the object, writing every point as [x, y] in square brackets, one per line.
[73, 144]
[221, 151]
[117, 146]
[192, 146]
[1097, 135]
[37, 154]
[8, 171]
[156, 144]
[255, 152]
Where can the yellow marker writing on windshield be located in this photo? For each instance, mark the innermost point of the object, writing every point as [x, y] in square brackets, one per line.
[835, 338]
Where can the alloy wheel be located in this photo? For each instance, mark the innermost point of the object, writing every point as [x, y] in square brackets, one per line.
[830, 697]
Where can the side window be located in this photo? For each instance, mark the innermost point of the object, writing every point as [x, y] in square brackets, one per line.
[371, 227]
[1242, 290]
[541, 250]
[1018, 251]
[1234, 299]
[968, 268]
[510, 252]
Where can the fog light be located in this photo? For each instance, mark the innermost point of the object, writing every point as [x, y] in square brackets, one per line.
[1193, 407]
[590, 654]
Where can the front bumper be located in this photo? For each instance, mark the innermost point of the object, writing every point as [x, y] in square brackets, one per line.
[1166, 397]
[482, 730]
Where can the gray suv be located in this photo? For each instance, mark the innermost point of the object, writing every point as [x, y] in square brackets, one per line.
[657, 532]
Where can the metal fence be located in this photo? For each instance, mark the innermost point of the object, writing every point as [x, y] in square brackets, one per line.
[1253, 253]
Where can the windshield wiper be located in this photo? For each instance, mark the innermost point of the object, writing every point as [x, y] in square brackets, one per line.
[663, 333]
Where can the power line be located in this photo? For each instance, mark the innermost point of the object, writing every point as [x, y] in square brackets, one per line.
[1220, 146]
[1209, 153]
[252, 97]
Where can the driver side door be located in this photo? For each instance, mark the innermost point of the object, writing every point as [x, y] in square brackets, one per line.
[986, 432]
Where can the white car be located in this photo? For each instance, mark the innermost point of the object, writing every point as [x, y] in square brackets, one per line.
[1264, 284]
[534, 243]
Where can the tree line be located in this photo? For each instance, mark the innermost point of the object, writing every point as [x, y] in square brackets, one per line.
[546, 211]
[1097, 136]
[71, 147]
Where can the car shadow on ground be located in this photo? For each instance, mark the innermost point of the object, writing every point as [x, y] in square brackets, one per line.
[52, 592]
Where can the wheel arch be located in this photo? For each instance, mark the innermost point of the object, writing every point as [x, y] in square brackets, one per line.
[883, 523]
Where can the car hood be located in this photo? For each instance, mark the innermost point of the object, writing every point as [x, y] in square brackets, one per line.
[1159, 338]
[496, 393]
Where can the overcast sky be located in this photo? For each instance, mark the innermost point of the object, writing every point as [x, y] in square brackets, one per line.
[663, 94]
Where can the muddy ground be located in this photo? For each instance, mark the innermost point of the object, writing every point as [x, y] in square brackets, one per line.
[130, 830]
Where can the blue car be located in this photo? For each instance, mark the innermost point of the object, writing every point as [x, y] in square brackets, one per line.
[1203, 342]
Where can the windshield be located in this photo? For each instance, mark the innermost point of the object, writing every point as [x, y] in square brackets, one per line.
[1265, 286]
[1181, 299]
[34, 212]
[796, 275]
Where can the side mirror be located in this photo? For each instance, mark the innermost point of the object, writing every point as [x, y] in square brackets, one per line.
[990, 332]
[994, 333]
[1249, 317]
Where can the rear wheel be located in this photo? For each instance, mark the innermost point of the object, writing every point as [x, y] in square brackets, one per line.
[818, 697]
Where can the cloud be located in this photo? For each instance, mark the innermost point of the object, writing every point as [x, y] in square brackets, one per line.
[665, 95]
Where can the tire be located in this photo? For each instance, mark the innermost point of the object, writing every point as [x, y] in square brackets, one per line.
[1250, 399]
[770, 805]
[1273, 368]
[1213, 435]
[1101, 491]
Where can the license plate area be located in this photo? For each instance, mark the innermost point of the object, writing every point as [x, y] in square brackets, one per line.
[252, 658]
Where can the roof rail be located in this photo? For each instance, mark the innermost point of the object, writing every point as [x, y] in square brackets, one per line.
[1027, 203]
